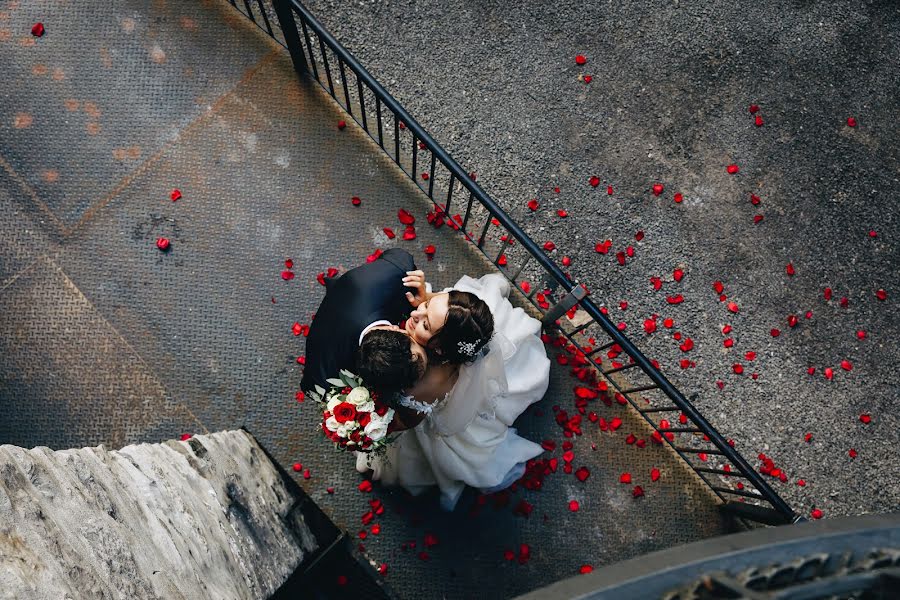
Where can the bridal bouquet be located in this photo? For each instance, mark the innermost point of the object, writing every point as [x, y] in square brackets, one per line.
[353, 417]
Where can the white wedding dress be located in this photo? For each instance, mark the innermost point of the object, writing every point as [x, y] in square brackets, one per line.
[467, 437]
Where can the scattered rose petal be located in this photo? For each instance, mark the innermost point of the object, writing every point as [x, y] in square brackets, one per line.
[801, 482]
[637, 492]
[561, 213]
[526, 287]
[811, 371]
[389, 233]
[300, 396]
[676, 299]
[732, 169]
[846, 365]
[678, 274]
[827, 293]
[679, 197]
[405, 217]
[355, 201]
[409, 233]
[649, 325]
[775, 332]
[758, 121]
[587, 79]
[861, 334]
[754, 108]
[594, 181]
[737, 368]
[573, 505]
[790, 269]
[718, 287]
[865, 418]
[566, 261]
[625, 478]
[502, 260]
[297, 467]
[657, 189]
[654, 474]
[754, 199]
[582, 473]
[37, 30]
[728, 342]
[609, 190]
[175, 195]
[851, 121]
[853, 453]
[365, 486]
[585, 569]
[430, 250]
[549, 246]
[186, 436]
[580, 60]
[816, 513]
[829, 373]
[881, 294]
[792, 320]
[807, 438]
[296, 328]
[163, 244]
[757, 218]
[733, 307]
[342, 124]
[533, 204]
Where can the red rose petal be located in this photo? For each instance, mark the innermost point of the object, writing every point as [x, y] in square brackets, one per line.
[861, 334]
[615, 423]
[594, 181]
[676, 299]
[533, 204]
[757, 218]
[827, 293]
[873, 233]
[431, 540]
[163, 244]
[638, 236]
[754, 199]
[851, 121]
[625, 478]
[609, 190]
[365, 486]
[801, 482]
[37, 30]
[409, 233]
[726, 329]
[300, 396]
[751, 355]
[775, 332]
[811, 370]
[297, 467]
[585, 569]
[301, 360]
[678, 274]
[792, 320]
[580, 60]
[582, 473]
[296, 328]
[816, 513]
[844, 302]
[355, 201]
[430, 250]
[733, 307]
[566, 261]
[186, 436]
[657, 189]
[502, 260]
[881, 295]
[654, 474]
[573, 505]
[829, 373]
[732, 169]
[865, 418]
[526, 287]
[790, 269]
[758, 121]
[737, 368]
[679, 197]
[320, 278]
[509, 554]
[846, 365]
[389, 233]
[175, 195]
[754, 109]
[549, 246]
[649, 326]
[718, 287]
[637, 492]
[728, 342]
[808, 437]
[342, 124]
[668, 323]
[853, 453]
[561, 213]
[405, 217]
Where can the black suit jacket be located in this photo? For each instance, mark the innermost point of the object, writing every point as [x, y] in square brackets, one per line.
[361, 296]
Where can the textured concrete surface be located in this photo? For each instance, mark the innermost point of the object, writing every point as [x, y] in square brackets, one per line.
[210, 517]
[672, 82]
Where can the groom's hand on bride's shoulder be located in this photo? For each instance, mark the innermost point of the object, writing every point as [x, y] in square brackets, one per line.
[415, 280]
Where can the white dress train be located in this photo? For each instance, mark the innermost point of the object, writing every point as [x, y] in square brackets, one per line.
[467, 437]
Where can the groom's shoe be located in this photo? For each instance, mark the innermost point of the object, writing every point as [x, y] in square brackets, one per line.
[362, 463]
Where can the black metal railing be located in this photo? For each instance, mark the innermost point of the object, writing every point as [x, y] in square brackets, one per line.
[318, 55]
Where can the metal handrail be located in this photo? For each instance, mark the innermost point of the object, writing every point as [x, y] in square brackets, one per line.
[285, 8]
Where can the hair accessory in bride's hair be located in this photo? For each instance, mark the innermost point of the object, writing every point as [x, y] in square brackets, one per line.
[468, 348]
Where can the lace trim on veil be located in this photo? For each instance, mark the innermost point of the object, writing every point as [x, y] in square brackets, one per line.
[422, 407]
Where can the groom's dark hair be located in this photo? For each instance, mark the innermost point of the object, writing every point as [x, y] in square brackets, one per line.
[386, 361]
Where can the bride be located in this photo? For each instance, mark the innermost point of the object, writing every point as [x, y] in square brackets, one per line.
[486, 365]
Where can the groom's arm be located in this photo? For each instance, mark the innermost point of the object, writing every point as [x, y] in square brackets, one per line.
[405, 418]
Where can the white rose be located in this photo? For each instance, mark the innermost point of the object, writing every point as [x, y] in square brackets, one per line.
[332, 403]
[358, 396]
[376, 429]
[332, 424]
[345, 429]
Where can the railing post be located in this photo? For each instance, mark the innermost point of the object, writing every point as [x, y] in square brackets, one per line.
[577, 294]
[291, 36]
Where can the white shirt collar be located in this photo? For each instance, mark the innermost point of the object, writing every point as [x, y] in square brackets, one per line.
[369, 327]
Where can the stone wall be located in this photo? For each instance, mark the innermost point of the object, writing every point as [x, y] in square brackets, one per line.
[205, 518]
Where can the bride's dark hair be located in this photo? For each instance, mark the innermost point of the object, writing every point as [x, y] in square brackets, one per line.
[468, 329]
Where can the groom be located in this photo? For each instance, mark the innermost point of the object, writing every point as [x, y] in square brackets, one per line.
[362, 308]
